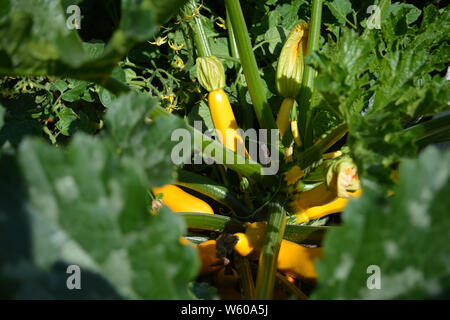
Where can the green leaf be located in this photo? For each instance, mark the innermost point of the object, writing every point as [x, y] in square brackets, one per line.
[61, 85]
[33, 44]
[340, 9]
[405, 235]
[88, 207]
[200, 112]
[165, 9]
[219, 47]
[66, 118]
[105, 95]
[381, 82]
[147, 141]
[76, 92]
[275, 37]
[19, 124]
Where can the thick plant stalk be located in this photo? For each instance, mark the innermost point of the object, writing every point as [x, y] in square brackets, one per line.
[198, 33]
[247, 111]
[235, 162]
[249, 66]
[306, 90]
[238, 163]
[334, 136]
[267, 268]
[431, 127]
[246, 277]
[205, 221]
[212, 189]
[291, 287]
[306, 234]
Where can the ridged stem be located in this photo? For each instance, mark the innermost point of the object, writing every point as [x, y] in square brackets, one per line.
[267, 267]
[198, 33]
[306, 90]
[249, 66]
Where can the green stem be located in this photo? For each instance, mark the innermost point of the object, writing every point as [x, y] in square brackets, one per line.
[267, 268]
[224, 177]
[211, 222]
[334, 136]
[440, 136]
[245, 109]
[249, 66]
[230, 159]
[246, 276]
[425, 129]
[198, 33]
[232, 39]
[432, 131]
[212, 189]
[306, 234]
[313, 154]
[306, 90]
[218, 223]
[291, 287]
[219, 153]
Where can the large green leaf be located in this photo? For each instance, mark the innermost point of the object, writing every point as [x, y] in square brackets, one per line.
[87, 206]
[147, 141]
[384, 79]
[340, 9]
[405, 235]
[33, 44]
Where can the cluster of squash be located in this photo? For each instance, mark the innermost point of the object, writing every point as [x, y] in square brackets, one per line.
[341, 183]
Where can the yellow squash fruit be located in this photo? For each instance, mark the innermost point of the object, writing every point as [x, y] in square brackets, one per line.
[283, 115]
[180, 201]
[211, 76]
[317, 196]
[294, 260]
[226, 278]
[224, 121]
[317, 212]
[207, 252]
[297, 261]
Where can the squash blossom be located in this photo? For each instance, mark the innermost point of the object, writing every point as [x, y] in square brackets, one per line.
[342, 176]
[332, 196]
[289, 76]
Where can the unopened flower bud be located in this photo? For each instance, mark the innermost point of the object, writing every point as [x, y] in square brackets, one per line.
[210, 73]
[290, 63]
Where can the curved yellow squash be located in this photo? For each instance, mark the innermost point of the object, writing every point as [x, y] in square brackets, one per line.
[224, 121]
[180, 201]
